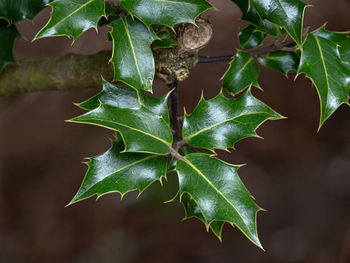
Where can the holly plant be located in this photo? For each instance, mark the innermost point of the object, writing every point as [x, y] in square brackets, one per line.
[162, 38]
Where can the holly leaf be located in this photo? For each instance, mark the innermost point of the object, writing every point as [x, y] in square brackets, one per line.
[242, 73]
[8, 34]
[192, 210]
[321, 62]
[336, 37]
[288, 14]
[157, 11]
[141, 129]
[344, 50]
[340, 38]
[283, 61]
[158, 106]
[122, 172]
[251, 15]
[216, 227]
[17, 10]
[165, 40]
[72, 18]
[219, 193]
[126, 97]
[132, 56]
[221, 122]
[249, 37]
[113, 95]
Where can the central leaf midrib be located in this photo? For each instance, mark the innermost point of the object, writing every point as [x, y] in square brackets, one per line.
[131, 128]
[279, 2]
[217, 190]
[75, 11]
[121, 169]
[244, 66]
[285, 12]
[133, 51]
[323, 63]
[219, 123]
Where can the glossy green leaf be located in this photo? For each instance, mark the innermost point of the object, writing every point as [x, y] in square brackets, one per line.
[113, 95]
[141, 129]
[289, 14]
[132, 56]
[242, 73]
[340, 38]
[126, 97]
[192, 210]
[17, 10]
[216, 227]
[251, 15]
[221, 122]
[321, 62]
[219, 193]
[118, 171]
[336, 37]
[283, 61]
[165, 12]
[250, 38]
[158, 106]
[72, 18]
[344, 50]
[165, 40]
[8, 35]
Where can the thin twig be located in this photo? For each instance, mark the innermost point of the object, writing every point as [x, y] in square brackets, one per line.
[174, 115]
[175, 154]
[182, 142]
[271, 48]
[202, 59]
[255, 53]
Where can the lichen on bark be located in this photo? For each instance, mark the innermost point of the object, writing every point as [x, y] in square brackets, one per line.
[74, 71]
[63, 73]
[174, 63]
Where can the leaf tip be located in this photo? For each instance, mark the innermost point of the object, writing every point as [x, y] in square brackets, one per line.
[73, 201]
[69, 204]
[70, 120]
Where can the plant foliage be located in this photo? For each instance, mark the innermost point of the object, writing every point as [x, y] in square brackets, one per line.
[209, 188]
[72, 18]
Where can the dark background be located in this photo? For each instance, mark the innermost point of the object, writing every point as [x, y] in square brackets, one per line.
[300, 176]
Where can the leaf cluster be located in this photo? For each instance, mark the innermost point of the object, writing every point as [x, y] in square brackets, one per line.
[145, 149]
[209, 186]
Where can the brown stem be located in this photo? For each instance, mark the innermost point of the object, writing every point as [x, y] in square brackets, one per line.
[174, 115]
[271, 48]
[255, 53]
[182, 142]
[175, 154]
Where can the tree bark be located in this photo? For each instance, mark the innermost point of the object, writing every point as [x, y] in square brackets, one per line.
[84, 71]
[63, 73]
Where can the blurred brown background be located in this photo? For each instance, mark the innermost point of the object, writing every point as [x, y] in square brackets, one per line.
[300, 176]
